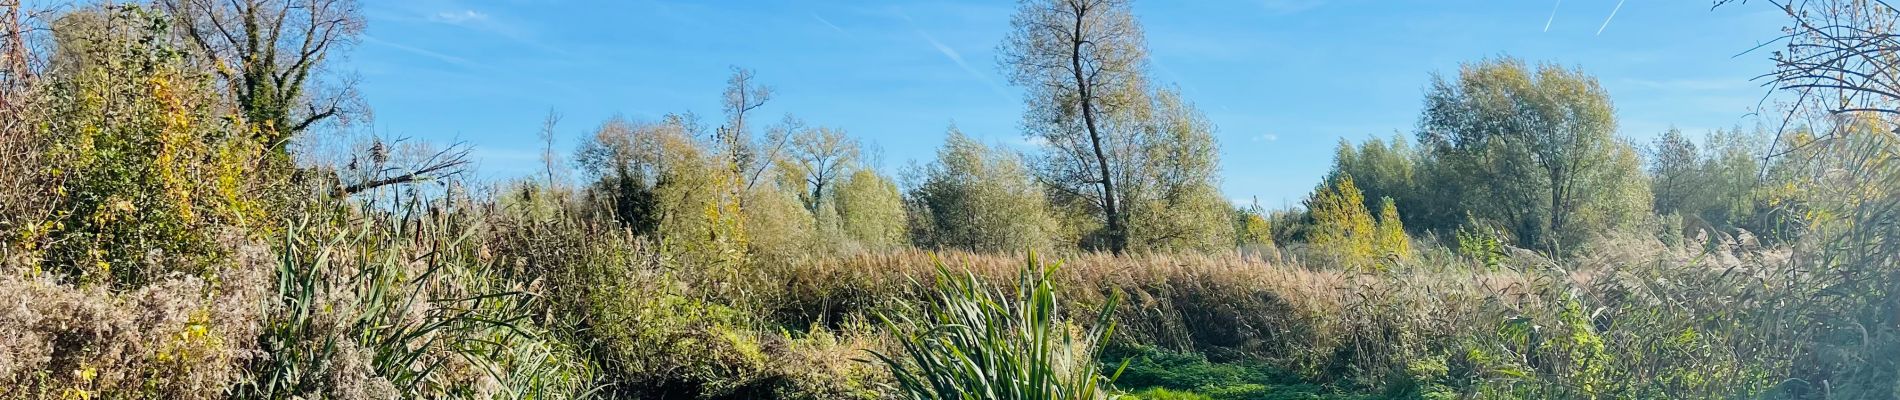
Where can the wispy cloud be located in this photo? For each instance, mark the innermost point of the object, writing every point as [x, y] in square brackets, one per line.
[459, 17]
[485, 23]
[1266, 137]
[828, 23]
[952, 54]
[458, 61]
[947, 51]
[466, 64]
[1606, 21]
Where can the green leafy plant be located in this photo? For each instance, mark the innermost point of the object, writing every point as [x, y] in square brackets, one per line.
[977, 341]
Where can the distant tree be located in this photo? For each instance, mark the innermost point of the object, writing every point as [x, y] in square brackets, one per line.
[623, 161]
[1342, 229]
[870, 210]
[1536, 149]
[1251, 228]
[550, 160]
[749, 158]
[1674, 169]
[1732, 167]
[272, 57]
[975, 197]
[819, 157]
[1080, 60]
[1382, 169]
[690, 207]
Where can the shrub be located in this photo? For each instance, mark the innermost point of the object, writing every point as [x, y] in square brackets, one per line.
[1343, 231]
[823, 364]
[871, 211]
[179, 337]
[140, 166]
[978, 198]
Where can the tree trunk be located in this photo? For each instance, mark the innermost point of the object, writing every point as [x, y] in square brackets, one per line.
[1117, 236]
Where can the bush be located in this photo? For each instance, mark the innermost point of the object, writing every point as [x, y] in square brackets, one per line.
[139, 166]
[871, 211]
[978, 198]
[179, 337]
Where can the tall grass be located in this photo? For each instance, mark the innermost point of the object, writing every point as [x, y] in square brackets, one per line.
[975, 340]
[374, 303]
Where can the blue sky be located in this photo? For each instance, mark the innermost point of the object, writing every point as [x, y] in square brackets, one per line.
[1283, 80]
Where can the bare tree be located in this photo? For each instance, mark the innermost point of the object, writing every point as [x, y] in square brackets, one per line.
[548, 156]
[1839, 57]
[400, 162]
[741, 97]
[269, 55]
[1080, 60]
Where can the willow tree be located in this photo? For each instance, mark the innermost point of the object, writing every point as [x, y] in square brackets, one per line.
[1170, 185]
[1080, 61]
[1672, 168]
[1536, 148]
[980, 198]
[870, 210]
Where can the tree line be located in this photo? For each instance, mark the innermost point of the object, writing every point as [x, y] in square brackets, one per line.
[1525, 154]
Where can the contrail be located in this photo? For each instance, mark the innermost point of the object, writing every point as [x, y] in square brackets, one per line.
[1553, 15]
[1606, 21]
[828, 23]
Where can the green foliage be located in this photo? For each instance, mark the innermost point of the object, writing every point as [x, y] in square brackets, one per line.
[1716, 191]
[1482, 244]
[1169, 375]
[142, 168]
[1166, 394]
[1391, 240]
[1251, 228]
[361, 313]
[1381, 169]
[1342, 228]
[777, 224]
[1172, 195]
[975, 339]
[871, 210]
[978, 198]
[1534, 149]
